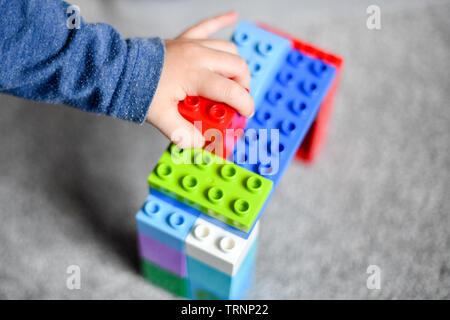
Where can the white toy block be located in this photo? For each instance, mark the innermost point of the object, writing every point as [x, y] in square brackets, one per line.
[217, 247]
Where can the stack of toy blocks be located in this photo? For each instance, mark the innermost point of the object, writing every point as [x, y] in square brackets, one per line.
[198, 228]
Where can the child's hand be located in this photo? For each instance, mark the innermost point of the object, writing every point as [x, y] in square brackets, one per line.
[197, 66]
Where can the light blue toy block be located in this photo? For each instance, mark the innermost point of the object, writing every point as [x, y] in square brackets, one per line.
[184, 207]
[165, 223]
[264, 53]
[207, 283]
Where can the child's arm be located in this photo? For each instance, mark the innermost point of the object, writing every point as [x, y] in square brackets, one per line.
[94, 69]
[91, 68]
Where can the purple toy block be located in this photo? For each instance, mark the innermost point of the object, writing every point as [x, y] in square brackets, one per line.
[162, 255]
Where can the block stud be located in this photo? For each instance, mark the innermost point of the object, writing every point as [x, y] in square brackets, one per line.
[255, 68]
[285, 77]
[227, 244]
[240, 38]
[309, 88]
[319, 68]
[287, 127]
[203, 160]
[274, 96]
[228, 172]
[295, 58]
[191, 102]
[297, 106]
[241, 207]
[264, 48]
[262, 116]
[178, 153]
[201, 232]
[164, 171]
[151, 208]
[276, 149]
[254, 184]
[175, 220]
[189, 183]
[215, 194]
[217, 112]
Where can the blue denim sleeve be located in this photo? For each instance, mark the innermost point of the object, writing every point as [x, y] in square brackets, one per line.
[44, 56]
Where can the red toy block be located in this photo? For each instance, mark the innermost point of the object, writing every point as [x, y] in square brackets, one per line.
[316, 135]
[206, 114]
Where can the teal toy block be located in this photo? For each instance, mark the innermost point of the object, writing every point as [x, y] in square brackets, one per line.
[208, 283]
[217, 247]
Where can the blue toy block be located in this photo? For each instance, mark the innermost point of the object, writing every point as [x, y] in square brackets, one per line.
[164, 222]
[264, 53]
[287, 112]
[208, 283]
[184, 207]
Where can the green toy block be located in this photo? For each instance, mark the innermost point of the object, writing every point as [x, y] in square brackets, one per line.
[208, 183]
[165, 279]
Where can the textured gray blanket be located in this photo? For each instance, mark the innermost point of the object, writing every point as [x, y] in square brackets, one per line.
[71, 182]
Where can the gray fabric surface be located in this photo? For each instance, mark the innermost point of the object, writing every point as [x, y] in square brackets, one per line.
[71, 182]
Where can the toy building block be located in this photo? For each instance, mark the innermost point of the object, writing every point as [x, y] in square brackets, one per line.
[264, 53]
[283, 118]
[316, 135]
[220, 265]
[207, 115]
[206, 282]
[165, 279]
[161, 255]
[212, 185]
[165, 223]
[219, 223]
[218, 248]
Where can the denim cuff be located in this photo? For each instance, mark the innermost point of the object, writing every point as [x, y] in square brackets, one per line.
[143, 78]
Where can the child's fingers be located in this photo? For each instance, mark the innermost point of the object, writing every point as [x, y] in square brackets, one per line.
[210, 26]
[229, 65]
[179, 130]
[221, 45]
[218, 88]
